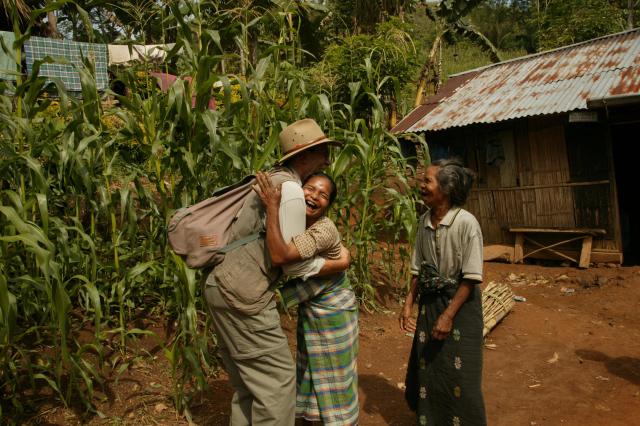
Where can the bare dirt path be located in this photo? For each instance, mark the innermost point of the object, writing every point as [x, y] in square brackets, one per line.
[568, 355]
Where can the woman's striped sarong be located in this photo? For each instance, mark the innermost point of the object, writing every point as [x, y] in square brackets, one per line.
[327, 335]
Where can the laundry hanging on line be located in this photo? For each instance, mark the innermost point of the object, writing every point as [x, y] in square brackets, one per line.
[72, 52]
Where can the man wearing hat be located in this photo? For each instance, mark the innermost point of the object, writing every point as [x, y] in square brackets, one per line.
[240, 291]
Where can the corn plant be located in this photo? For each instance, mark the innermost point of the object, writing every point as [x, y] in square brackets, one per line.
[83, 226]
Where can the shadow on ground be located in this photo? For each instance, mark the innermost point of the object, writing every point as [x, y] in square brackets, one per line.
[624, 367]
[385, 399]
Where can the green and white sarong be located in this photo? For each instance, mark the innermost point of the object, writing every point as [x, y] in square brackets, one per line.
[327, 336]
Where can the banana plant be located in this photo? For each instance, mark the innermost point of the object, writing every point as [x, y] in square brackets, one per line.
[449, 18]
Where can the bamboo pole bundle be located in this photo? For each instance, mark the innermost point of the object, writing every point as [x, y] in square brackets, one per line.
[497, 301]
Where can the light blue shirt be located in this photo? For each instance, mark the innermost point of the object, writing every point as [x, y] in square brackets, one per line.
[454, 247]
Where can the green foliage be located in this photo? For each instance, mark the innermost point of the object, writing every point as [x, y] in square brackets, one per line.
[83, 222]
[378, 200]
[536, 25]
[381, 61]
[451, 18]
[506, 23]
[448, 19]
[572, 21]
[463, 56]
[86, 186]
[356, 16]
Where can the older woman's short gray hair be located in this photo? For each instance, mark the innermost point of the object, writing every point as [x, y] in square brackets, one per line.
[454, 179]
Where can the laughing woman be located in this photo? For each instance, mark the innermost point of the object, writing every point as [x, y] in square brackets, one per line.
[327, 333]
[444, 375]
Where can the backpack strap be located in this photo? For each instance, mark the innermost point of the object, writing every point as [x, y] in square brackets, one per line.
[278, 177]
[237, 243]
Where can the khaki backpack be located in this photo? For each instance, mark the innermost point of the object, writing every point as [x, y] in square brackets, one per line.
[200, 233]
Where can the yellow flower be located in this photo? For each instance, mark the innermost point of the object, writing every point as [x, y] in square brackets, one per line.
[112, 122]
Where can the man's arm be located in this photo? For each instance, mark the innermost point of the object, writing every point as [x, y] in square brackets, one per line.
[280, 252]
[293, 221]
[285, 206]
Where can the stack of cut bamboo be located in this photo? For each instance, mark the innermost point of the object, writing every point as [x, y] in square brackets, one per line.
[497, 301]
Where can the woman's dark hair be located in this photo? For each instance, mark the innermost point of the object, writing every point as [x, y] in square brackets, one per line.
[334, 187]
[454, 179]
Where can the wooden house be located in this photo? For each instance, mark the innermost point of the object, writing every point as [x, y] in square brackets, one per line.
[551, 137]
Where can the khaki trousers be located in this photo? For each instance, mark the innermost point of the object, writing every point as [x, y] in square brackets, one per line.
[256, 355]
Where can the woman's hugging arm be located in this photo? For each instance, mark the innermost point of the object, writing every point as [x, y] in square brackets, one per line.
[322, 237]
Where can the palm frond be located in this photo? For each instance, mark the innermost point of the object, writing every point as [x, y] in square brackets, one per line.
[471, 33]
[19, 6]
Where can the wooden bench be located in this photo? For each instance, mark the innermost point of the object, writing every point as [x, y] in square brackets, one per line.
[567, 235]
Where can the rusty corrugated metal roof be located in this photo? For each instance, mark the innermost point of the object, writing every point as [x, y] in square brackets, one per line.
[445, 91]
[559, 80]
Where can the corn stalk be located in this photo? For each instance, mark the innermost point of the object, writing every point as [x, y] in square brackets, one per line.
[83, 221]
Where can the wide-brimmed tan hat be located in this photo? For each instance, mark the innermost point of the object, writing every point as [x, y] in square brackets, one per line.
[301, 135]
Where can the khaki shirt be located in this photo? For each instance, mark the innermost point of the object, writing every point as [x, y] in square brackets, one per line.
[245, 277]
[454, 248]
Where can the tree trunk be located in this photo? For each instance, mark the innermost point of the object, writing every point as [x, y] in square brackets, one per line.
[52, 25]
[253, 47]
[428, 68]
[393, 112]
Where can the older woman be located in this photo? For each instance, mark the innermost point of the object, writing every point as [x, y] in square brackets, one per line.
[443, 383]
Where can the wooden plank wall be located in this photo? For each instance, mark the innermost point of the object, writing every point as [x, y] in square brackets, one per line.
[532, 187]
[535, 156]
[549, 165]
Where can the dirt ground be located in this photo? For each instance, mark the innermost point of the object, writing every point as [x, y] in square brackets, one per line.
[568, 355]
